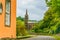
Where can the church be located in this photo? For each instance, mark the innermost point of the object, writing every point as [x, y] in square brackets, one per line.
[7, 18]
[29, 24]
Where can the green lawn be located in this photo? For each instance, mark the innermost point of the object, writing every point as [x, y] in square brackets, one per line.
[22, 37]
[57, 37]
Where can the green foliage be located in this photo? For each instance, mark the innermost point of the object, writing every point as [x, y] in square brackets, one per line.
[21, 31]
[20, 18]
[51, 22]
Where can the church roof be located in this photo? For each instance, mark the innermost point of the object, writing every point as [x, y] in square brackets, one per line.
[32, 21]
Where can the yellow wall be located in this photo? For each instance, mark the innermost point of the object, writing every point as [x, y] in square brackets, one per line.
[8, 31]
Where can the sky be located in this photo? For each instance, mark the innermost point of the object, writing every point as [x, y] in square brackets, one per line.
[35, 8]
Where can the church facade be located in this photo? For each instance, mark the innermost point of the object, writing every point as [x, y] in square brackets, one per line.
[7, 18]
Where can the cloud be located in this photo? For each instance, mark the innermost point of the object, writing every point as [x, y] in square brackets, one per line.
[36, 8]
[20, 13]
[24, 2]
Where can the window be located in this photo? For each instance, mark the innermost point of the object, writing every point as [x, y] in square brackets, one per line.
[8, 12]
[1, 8]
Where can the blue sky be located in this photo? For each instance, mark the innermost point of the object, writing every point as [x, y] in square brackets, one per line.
[36, 8]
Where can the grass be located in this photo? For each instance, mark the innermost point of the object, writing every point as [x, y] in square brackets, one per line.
[57, 37]
[23, 37]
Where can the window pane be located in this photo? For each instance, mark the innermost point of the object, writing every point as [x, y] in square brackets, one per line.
[7, 19]
[8, 7]
[1, 8]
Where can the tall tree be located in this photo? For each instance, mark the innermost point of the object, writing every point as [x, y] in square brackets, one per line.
[51, 20]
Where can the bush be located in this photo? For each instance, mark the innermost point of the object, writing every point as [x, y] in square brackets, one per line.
[21, 31]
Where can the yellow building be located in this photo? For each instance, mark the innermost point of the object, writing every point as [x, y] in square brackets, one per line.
[7, 18]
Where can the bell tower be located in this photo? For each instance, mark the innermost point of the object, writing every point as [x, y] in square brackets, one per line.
[26, 20]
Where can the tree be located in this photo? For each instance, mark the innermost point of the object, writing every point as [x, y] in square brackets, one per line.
[20, 26]
[51, 21]
[20, 18]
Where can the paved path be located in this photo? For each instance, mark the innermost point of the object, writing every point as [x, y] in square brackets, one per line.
[40, 38]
